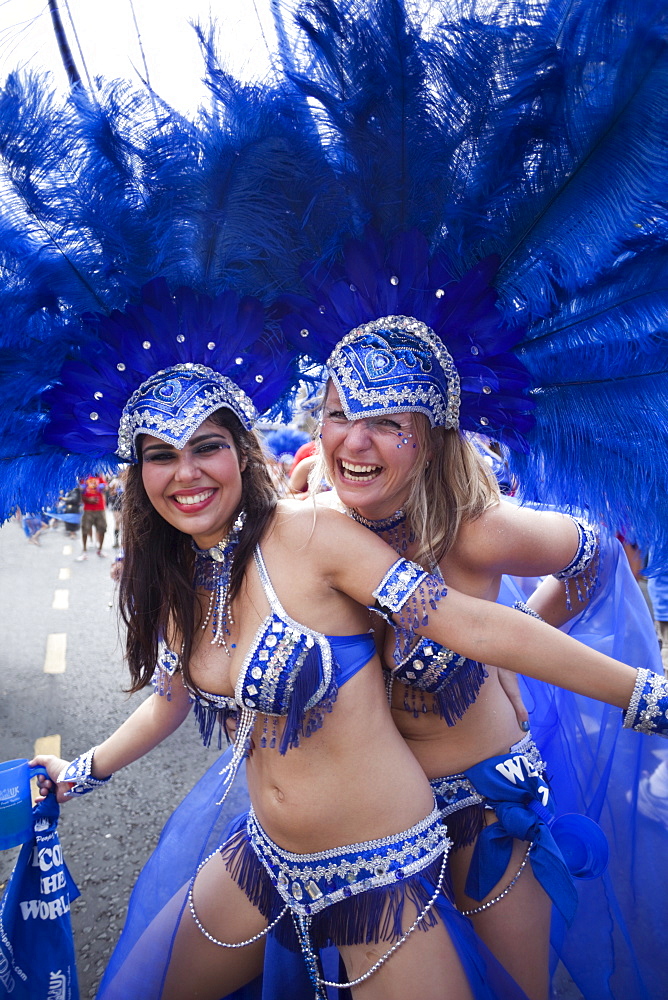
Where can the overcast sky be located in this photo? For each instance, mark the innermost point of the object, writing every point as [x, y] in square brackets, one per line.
[108, 38]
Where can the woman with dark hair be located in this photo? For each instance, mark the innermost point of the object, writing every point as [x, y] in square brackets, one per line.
[255, 610]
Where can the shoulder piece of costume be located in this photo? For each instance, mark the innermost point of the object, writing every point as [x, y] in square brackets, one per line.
[506, 174]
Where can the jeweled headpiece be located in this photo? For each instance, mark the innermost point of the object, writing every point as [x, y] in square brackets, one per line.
[395, 364]
[171, 405]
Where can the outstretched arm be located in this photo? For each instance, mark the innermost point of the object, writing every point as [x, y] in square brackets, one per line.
[155, 719]
[356, 563]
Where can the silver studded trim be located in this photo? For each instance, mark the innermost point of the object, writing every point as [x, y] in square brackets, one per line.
[454, 793]
[425, 666]
[439, 404]
[647, 711]
[526, 610]
[78, 773]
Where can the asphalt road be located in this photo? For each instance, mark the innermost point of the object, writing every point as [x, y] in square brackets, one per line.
[107, 835]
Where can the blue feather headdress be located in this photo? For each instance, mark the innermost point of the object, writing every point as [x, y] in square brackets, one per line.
[505, 168]
[495, 171]
[132, 241]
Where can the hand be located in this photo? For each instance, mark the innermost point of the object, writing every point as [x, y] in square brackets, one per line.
[54, 765]
[510, 683]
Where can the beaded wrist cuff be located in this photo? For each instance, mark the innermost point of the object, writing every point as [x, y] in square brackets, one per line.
[78, 773]
[647, 711]
[526, 610]
[583, 569]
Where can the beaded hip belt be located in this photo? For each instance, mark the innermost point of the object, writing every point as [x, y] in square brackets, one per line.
[310, 882]
[456, 791]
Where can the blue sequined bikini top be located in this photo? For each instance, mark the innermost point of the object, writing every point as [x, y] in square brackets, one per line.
[453, 680]
[290, 671]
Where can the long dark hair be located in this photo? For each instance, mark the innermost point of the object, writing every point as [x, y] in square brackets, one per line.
[157, 595]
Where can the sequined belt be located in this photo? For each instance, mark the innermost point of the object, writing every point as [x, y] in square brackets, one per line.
[456, 791]
[310, 882]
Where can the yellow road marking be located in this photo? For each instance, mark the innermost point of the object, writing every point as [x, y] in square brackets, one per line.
[61, 600]
[54, 660]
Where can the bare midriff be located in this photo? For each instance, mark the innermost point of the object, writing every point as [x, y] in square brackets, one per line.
[489, 727]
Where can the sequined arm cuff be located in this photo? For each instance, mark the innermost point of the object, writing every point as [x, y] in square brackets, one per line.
[406, 590]
[647, 711]
[526, 610]
[78, 774]
[583, 569]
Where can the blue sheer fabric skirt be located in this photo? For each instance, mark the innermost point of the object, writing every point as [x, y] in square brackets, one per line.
[616, 946]
[139, 963]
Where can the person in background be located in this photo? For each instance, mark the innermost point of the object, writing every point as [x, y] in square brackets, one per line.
[93, 489]
[70, 505]
[114, 499]
[302, 464]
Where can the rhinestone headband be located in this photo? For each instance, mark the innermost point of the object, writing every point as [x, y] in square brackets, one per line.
[172, 404]
[396, 364]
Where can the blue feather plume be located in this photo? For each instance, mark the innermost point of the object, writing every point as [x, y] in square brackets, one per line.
[103, 194]
[535, 133]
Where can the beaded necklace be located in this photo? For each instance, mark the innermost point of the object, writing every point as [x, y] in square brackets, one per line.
[213, 569]
[393, 528]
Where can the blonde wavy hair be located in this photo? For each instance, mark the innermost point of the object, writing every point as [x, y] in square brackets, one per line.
[450, 485]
